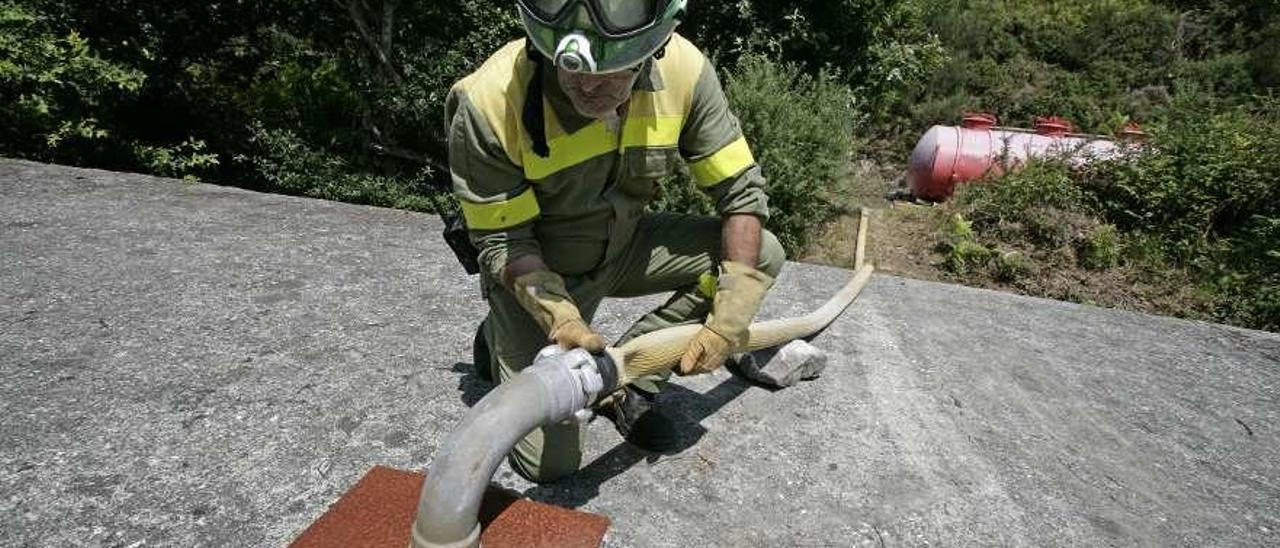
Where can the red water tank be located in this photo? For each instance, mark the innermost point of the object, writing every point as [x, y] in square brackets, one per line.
[948, 155]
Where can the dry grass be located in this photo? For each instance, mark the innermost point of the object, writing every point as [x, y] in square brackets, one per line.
[904, 240]
[866, 185]
[896, 229]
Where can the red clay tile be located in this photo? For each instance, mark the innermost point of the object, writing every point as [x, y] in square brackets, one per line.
[379, 510]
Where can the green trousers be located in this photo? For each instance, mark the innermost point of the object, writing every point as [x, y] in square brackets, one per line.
[669, 252]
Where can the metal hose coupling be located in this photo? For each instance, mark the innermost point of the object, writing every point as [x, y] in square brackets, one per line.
[592, 376]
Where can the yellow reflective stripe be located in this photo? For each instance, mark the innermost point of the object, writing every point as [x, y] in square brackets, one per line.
[489, 91]
[499, 215]
[707, 284]
[596, 139]
[725, 163]
[570, 150]
[652, 131]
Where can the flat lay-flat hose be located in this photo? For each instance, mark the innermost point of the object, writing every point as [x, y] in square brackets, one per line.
[660, 350]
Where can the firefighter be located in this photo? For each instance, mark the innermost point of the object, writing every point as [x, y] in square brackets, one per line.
[556, 144]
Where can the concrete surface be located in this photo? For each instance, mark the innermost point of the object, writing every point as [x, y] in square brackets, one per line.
[192, 365]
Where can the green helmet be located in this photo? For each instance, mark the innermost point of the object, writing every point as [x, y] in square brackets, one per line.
[599, 36]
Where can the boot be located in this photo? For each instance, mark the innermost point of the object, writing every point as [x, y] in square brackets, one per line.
[639, 421]
[480, 356]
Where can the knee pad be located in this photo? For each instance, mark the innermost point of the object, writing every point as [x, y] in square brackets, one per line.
[534, 471]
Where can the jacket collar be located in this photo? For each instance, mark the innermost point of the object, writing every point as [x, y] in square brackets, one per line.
[650, 79]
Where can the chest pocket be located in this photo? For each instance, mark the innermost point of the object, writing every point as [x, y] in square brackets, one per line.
[642, 167]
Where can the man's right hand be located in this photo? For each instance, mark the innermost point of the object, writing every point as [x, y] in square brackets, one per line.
[542, 293]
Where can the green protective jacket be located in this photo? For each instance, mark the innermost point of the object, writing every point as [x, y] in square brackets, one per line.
[578, 207]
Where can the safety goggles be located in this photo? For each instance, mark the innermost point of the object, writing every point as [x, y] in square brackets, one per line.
[612, 18]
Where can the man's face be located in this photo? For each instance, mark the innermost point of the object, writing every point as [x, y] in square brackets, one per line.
[597, 95]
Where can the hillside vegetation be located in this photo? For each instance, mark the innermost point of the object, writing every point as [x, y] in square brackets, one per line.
[342, 99]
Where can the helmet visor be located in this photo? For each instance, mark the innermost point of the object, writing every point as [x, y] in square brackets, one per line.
[625, 15]
[548, 10]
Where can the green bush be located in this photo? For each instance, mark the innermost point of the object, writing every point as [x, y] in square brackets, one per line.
[186, 160]
[1012, 266]
[801, 131]
[881, 49]
[1090, 61]
[58, 92]
[956, 229]
[1205, 175]
[963, 254]
[1206, 192]
[1264, 58]
[1200, 197]
[1038, 199]
[1099, 63]
[292, 166]
[967, 256]
[1100, 249]
[1247, 272]
[800, 128]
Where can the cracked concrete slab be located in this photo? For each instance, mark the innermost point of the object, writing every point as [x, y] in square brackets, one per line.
[187, 364]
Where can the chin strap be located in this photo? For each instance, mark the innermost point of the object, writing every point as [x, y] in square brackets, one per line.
[533, 117]
[662, 50]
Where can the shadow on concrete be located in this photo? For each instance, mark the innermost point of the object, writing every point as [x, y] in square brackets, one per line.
[688, 408]
[470, 384]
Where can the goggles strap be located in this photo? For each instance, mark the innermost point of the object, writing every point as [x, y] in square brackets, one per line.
[662, 50]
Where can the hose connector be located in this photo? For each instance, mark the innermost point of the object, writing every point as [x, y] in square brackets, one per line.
[556, 387]
[581, 369]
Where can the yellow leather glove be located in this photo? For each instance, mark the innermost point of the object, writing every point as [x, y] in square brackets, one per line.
[739, 291]
[543, 294]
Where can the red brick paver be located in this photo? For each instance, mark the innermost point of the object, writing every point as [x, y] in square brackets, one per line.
[379, 510]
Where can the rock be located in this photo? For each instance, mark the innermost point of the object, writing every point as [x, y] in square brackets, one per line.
[783, 366]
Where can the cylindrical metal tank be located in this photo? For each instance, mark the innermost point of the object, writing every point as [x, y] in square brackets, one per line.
[948, 155]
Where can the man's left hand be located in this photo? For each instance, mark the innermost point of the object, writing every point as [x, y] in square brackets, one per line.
[739, 290]
[706, 352]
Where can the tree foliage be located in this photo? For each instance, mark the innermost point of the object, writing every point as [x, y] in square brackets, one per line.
[60, 94]
[801, 131]
[310, 96]
[1100, 63]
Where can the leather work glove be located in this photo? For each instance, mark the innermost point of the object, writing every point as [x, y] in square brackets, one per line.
[739, 291]
[543, 294]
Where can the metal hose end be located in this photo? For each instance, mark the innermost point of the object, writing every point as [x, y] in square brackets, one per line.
[472, 540]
